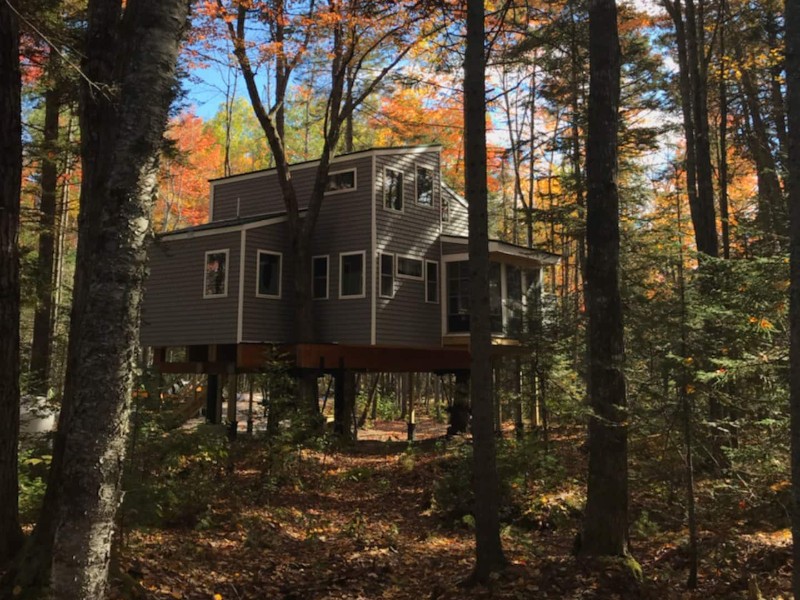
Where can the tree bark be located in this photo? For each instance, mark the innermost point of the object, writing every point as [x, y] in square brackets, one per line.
[489, 551]
[792, 38]
[130, 60]
[606, 518]
[10, 181]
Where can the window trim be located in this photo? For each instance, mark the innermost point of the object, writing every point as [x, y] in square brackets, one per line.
[444, 215]
[402, 190]
[327, 258]
[438, 281]
[227, 253]
[343, 190]
[380, 274]
[259, 252]
[363, 294]
[432, 205]
[400, 275]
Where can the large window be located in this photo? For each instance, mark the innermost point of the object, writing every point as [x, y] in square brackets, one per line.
[409, 268]
[393, 189]
[215, 281]
[495, 297]
[340, 181]
[431, 281]
[458, 306]
[387, 275]
[320, 271]
[269, 275]
[513, 300]
[458, 297]
[351, 275]
[424, 184]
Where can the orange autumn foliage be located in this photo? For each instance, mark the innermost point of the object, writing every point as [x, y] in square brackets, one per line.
[185, 169]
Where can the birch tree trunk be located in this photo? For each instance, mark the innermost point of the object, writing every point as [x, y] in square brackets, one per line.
[130, 66]
[10, 178]
[605, 527]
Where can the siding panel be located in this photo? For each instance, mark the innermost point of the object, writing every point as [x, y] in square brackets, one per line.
[406, 319]
[174, 312]
[267, 319]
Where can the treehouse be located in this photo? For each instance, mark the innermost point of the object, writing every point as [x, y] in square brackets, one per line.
[390, 274]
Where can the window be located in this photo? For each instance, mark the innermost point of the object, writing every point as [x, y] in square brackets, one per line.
[431, 281]
[424, 183]
[269, 275]
[387, 275]
[513, 300]
[495, 298]
[393, 189]
[351, 275]
[215, 282]
[445, 209]
[340, 181]
[320, 270]
[410, 268]
[458, 296]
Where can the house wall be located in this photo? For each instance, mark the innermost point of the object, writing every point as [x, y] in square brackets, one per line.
[260, 193]
[267, 319]
[345, 225]
[406, 319]
[459, 218]
[174, 311]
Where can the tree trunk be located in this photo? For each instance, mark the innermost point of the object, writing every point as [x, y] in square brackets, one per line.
[130, 61]
[42, 320]
[489, 552]
[10, 181]
[792, 33]
[606, 518]
[723, 139]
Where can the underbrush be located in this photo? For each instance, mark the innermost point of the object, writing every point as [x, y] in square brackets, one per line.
[173, 476]
[535, 491]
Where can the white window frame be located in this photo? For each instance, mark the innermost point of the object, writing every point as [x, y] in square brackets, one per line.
[380, 274]
[227, 253]
[280, 273]
[418, 166]
[343, 190]
[400, 275]
[363, 294]
[327, 258]
[402, 191]
[438, 280]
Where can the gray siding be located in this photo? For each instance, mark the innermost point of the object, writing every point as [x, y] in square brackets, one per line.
[267, 319]
[451, 248]
[459, 219]
[174, 312]
[406, 319]
[259, 193]
[345, 225]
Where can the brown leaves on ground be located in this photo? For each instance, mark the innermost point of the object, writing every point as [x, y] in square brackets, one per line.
[358, 523]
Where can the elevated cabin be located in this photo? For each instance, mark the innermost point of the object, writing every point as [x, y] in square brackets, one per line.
[390, 273]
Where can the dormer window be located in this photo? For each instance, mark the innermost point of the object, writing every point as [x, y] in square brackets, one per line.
[393, 189]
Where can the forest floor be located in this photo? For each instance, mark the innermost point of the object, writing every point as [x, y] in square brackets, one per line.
[366, 522]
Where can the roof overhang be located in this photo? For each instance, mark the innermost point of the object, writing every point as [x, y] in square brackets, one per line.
[510, 253]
